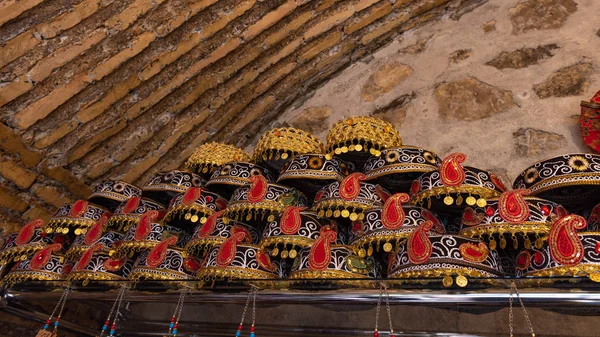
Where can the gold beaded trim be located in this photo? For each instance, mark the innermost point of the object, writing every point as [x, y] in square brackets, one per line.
[590, 270]
[482, 192]
[86, 276]
[362, 133]
[79, 226]
[213, 273]
[446, 275]
[193, 213]
[210, 155]
[19, 253]
[201, 245]
[20, 276]
[339, 277]
[284, 143]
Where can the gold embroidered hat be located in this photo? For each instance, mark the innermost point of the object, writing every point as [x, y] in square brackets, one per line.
[572, 180]
[333, 262]
[237, 259]
[20, 246]
[310, 172]
[292, 230]
[430, 255]
[193, 207]
[277, 146]
[565, 253]
[215, 232]
[230, 176]
[349, 198]
[260, 201]
[453, 186]
[75, 218]
[130, 212]
[165, 186]
[164, 263]
[356, 138]
[97, 234]
[396, 168]
[97, 266]
[46, 264]
[147, 234]
[111, 193]
[207, 157]
[513, 216]
[382, 229]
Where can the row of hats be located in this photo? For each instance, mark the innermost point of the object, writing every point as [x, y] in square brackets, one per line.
[354, 226]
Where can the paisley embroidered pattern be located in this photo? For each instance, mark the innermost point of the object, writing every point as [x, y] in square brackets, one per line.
[78, 208]
[94, 233]
[87, 257]
[191, 195]
[291, 220]
[392, 214]
[228, 249]
[320, 252]
[350, 186]
[565, 246]
[158, 253]
[192, 264]
[145, 225]
[258, 189]
[114, 264]
[471, 218]
[512, 206]
[523, 260]
[41, 258]
[131, 205]
[26, 233]
[264, 261]
[451, 172]
[474, 253]
[418, 244]
[210, 225]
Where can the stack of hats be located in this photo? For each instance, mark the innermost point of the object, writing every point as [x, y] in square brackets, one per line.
[298, 210]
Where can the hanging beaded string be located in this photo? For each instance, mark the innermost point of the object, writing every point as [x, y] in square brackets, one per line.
[61, 305]
[255, 291]
[112, 310]
[514, 291]
[383, 290]
[113, 328]
[177, 314]
[252, 293]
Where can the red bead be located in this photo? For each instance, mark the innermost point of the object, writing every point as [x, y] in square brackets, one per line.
[114, 325]
[175, 326]
[489, 211]
[252, 328]
[240, 327]
[172, 319]
[107, 322]
[375, 334]
[48, 322]
[58, 318]
[545, 210]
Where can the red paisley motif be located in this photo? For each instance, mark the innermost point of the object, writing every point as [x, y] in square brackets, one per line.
[320, 252]
[391, 261]
[144, 226]
[78, 208]
[192, 264]
[438, 226]
[41, 257]
[419, 246]
[497, 182]
[131, 205]
[451, 170]
[291, 220]
[350, 186]
[415, 187]
[228, 249]
[258, 189]
[471, 218]
[523, 260]
[264, 261]
[210, 224]
[512, 206]
[392, 214]
[191, 195]
[114, 264]
[382, 193]
[95, 232]
[474, 253]
[87, 257]
[26, 233]
[159, 252]
[565, 246]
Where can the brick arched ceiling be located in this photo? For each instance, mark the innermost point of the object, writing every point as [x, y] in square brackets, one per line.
[92, 89]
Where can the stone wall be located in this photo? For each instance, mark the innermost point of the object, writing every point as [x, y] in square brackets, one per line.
[502, 84]
[97, 89]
